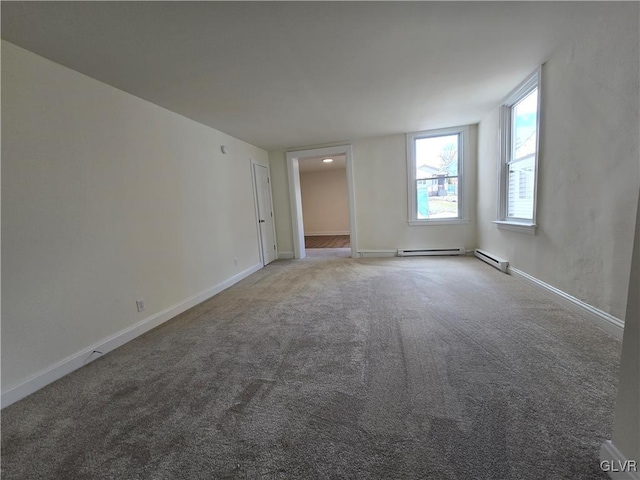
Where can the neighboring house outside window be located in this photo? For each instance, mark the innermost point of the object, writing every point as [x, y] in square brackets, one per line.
[435, 164]
[519, 138]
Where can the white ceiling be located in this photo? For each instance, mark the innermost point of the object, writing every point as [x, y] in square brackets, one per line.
[293, 74]
[315, 164]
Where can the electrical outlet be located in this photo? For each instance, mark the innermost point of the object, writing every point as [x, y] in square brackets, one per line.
[140, 305]
[235, 262]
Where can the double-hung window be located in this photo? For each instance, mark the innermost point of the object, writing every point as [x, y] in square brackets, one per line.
[435, 164]
[519, 134]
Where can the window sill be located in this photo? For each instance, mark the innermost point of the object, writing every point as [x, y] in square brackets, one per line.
[528, 228]
[441, 221]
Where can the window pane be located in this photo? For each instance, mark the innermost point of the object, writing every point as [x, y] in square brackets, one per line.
[520, 189]
[437, 156]
[437, 167]
[437, 198]
[524, 115]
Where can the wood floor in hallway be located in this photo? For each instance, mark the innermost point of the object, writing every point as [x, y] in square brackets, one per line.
[327, 241]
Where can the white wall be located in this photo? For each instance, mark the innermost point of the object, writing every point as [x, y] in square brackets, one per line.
[325, 202]
[626, 427]
[281, 203]
[588, 174]
[107, 198]
[380, 172]
[380, 181]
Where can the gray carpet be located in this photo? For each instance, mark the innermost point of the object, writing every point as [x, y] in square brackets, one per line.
[399, 368]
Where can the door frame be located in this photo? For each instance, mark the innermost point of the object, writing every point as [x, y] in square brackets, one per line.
[253, 164]
[295, 197]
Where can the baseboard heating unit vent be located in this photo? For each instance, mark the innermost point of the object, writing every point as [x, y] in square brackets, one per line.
[431, 252]
[491, 259]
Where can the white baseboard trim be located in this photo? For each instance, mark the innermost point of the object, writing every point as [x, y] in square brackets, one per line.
[322, 234]
[610, 324]
[285, 255]
[616, 465]
[377, 253]
[58, 370]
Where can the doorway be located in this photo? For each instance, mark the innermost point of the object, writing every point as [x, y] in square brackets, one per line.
[293, 165]
[264, 210]
[325, 205]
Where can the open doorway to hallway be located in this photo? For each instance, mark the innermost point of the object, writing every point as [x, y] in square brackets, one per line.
[325, 203]
[322, 201]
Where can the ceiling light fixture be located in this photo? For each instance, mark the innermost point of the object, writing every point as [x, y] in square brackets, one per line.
[328, 160]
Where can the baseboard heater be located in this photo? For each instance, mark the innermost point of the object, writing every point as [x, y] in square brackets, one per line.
[491, 259]
[430, 252]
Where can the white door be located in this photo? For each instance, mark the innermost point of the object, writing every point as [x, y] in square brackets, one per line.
[265, 214]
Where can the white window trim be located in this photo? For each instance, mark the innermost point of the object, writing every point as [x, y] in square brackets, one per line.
[528, 228]
[503, 222]
[463, 182]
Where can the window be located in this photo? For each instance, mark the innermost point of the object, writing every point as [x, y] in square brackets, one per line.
[435, 162]
[519, 133]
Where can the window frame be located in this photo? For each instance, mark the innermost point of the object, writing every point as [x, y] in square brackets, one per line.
[412, 193]
[505, 134]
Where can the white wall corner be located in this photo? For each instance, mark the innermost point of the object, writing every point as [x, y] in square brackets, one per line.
[617, 466]
[73, 362]
[285, 255]
[610, 324]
